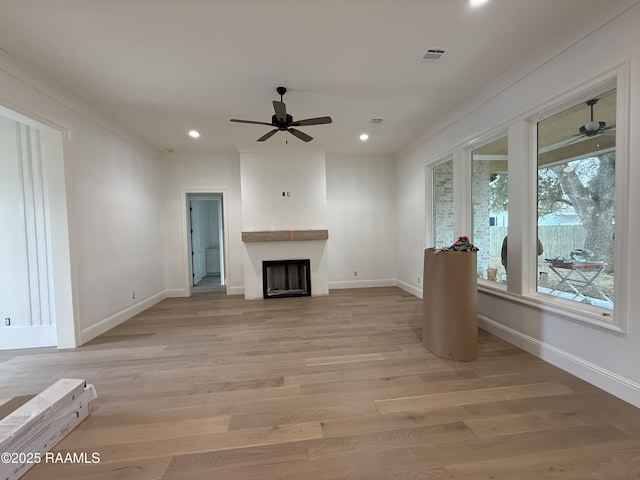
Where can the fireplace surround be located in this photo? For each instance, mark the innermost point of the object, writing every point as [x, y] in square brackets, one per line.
[286, 278]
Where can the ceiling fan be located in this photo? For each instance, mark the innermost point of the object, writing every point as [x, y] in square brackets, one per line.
[590, 129]
[283, 122]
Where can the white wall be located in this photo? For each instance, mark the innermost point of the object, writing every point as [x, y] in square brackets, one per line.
[214, 224]
[115, 203]
[410, 238]
[265, 176]
[603, 357]
[112, 199]
[361, 210]
[182, 175]
[302, 179]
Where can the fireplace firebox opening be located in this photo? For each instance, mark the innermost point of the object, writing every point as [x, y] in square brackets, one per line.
[286, 278]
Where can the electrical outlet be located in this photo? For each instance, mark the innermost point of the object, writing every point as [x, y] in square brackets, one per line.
[133, 295]
[418, 280]
[355, 273]
[7, 322]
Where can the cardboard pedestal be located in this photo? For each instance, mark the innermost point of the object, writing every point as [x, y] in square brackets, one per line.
[450, 317]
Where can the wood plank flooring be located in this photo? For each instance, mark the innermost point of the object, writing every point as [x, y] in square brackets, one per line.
[321, 388]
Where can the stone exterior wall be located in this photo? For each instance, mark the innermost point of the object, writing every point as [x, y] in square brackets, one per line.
[480, 190]
[443, 204]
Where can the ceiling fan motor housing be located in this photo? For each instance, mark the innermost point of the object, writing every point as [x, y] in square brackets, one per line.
[281, 125]
[592, 128]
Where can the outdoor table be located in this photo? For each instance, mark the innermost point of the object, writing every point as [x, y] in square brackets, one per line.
[578, 276]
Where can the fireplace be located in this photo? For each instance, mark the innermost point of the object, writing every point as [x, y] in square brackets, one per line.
[286, 278]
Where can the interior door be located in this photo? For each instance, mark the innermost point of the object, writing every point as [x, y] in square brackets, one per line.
[26, 263]
[198, 240]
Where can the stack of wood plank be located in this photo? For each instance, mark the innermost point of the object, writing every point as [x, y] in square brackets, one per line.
[30, 431]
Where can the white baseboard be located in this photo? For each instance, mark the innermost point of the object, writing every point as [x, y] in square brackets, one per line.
[407, 287]
[108, 323]
[181, 292]
[386, 282]
[175, 292]
[235, 290]
[608, 381]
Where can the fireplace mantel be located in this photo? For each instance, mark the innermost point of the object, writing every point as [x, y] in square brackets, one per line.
[285, 235]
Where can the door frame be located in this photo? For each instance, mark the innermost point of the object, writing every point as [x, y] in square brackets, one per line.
[61, 271]
[186, 238]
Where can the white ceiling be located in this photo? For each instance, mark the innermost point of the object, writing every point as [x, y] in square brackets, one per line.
[163, 67]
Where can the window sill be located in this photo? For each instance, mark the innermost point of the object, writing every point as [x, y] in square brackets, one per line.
[567, 309]
[491, 285]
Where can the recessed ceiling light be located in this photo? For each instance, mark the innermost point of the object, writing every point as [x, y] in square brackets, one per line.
[194, 134]
[364, 137]
[477, 3]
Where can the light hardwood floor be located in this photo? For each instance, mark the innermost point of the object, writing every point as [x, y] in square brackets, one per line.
[322, 388]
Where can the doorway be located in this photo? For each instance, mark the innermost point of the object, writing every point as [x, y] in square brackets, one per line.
[205, 232]
[36, 307]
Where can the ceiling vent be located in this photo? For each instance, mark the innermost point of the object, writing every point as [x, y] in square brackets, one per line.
[376, 120]
[432, 54]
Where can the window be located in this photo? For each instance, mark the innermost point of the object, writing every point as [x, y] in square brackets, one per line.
[576, 208]
[443, 204]
[489, 203]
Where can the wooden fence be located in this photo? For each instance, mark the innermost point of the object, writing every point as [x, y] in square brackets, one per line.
[557, 240]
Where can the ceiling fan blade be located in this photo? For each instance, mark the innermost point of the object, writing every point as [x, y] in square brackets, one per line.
[251, 121]
[311, 121]
[267, 135]
[563, 143]
[281, 111]
[301, 135]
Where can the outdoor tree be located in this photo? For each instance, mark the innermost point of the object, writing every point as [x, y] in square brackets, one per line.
[498, 196]
[587, 186]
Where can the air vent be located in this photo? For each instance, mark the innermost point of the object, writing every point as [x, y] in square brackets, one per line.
[376, 120]
[432, 54]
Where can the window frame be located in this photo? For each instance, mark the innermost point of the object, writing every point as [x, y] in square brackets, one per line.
[522, 171]
[476, 144]
[616, 319]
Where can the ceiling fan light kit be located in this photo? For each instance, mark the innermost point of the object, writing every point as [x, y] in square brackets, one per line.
[592, 128]
[283, 122]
